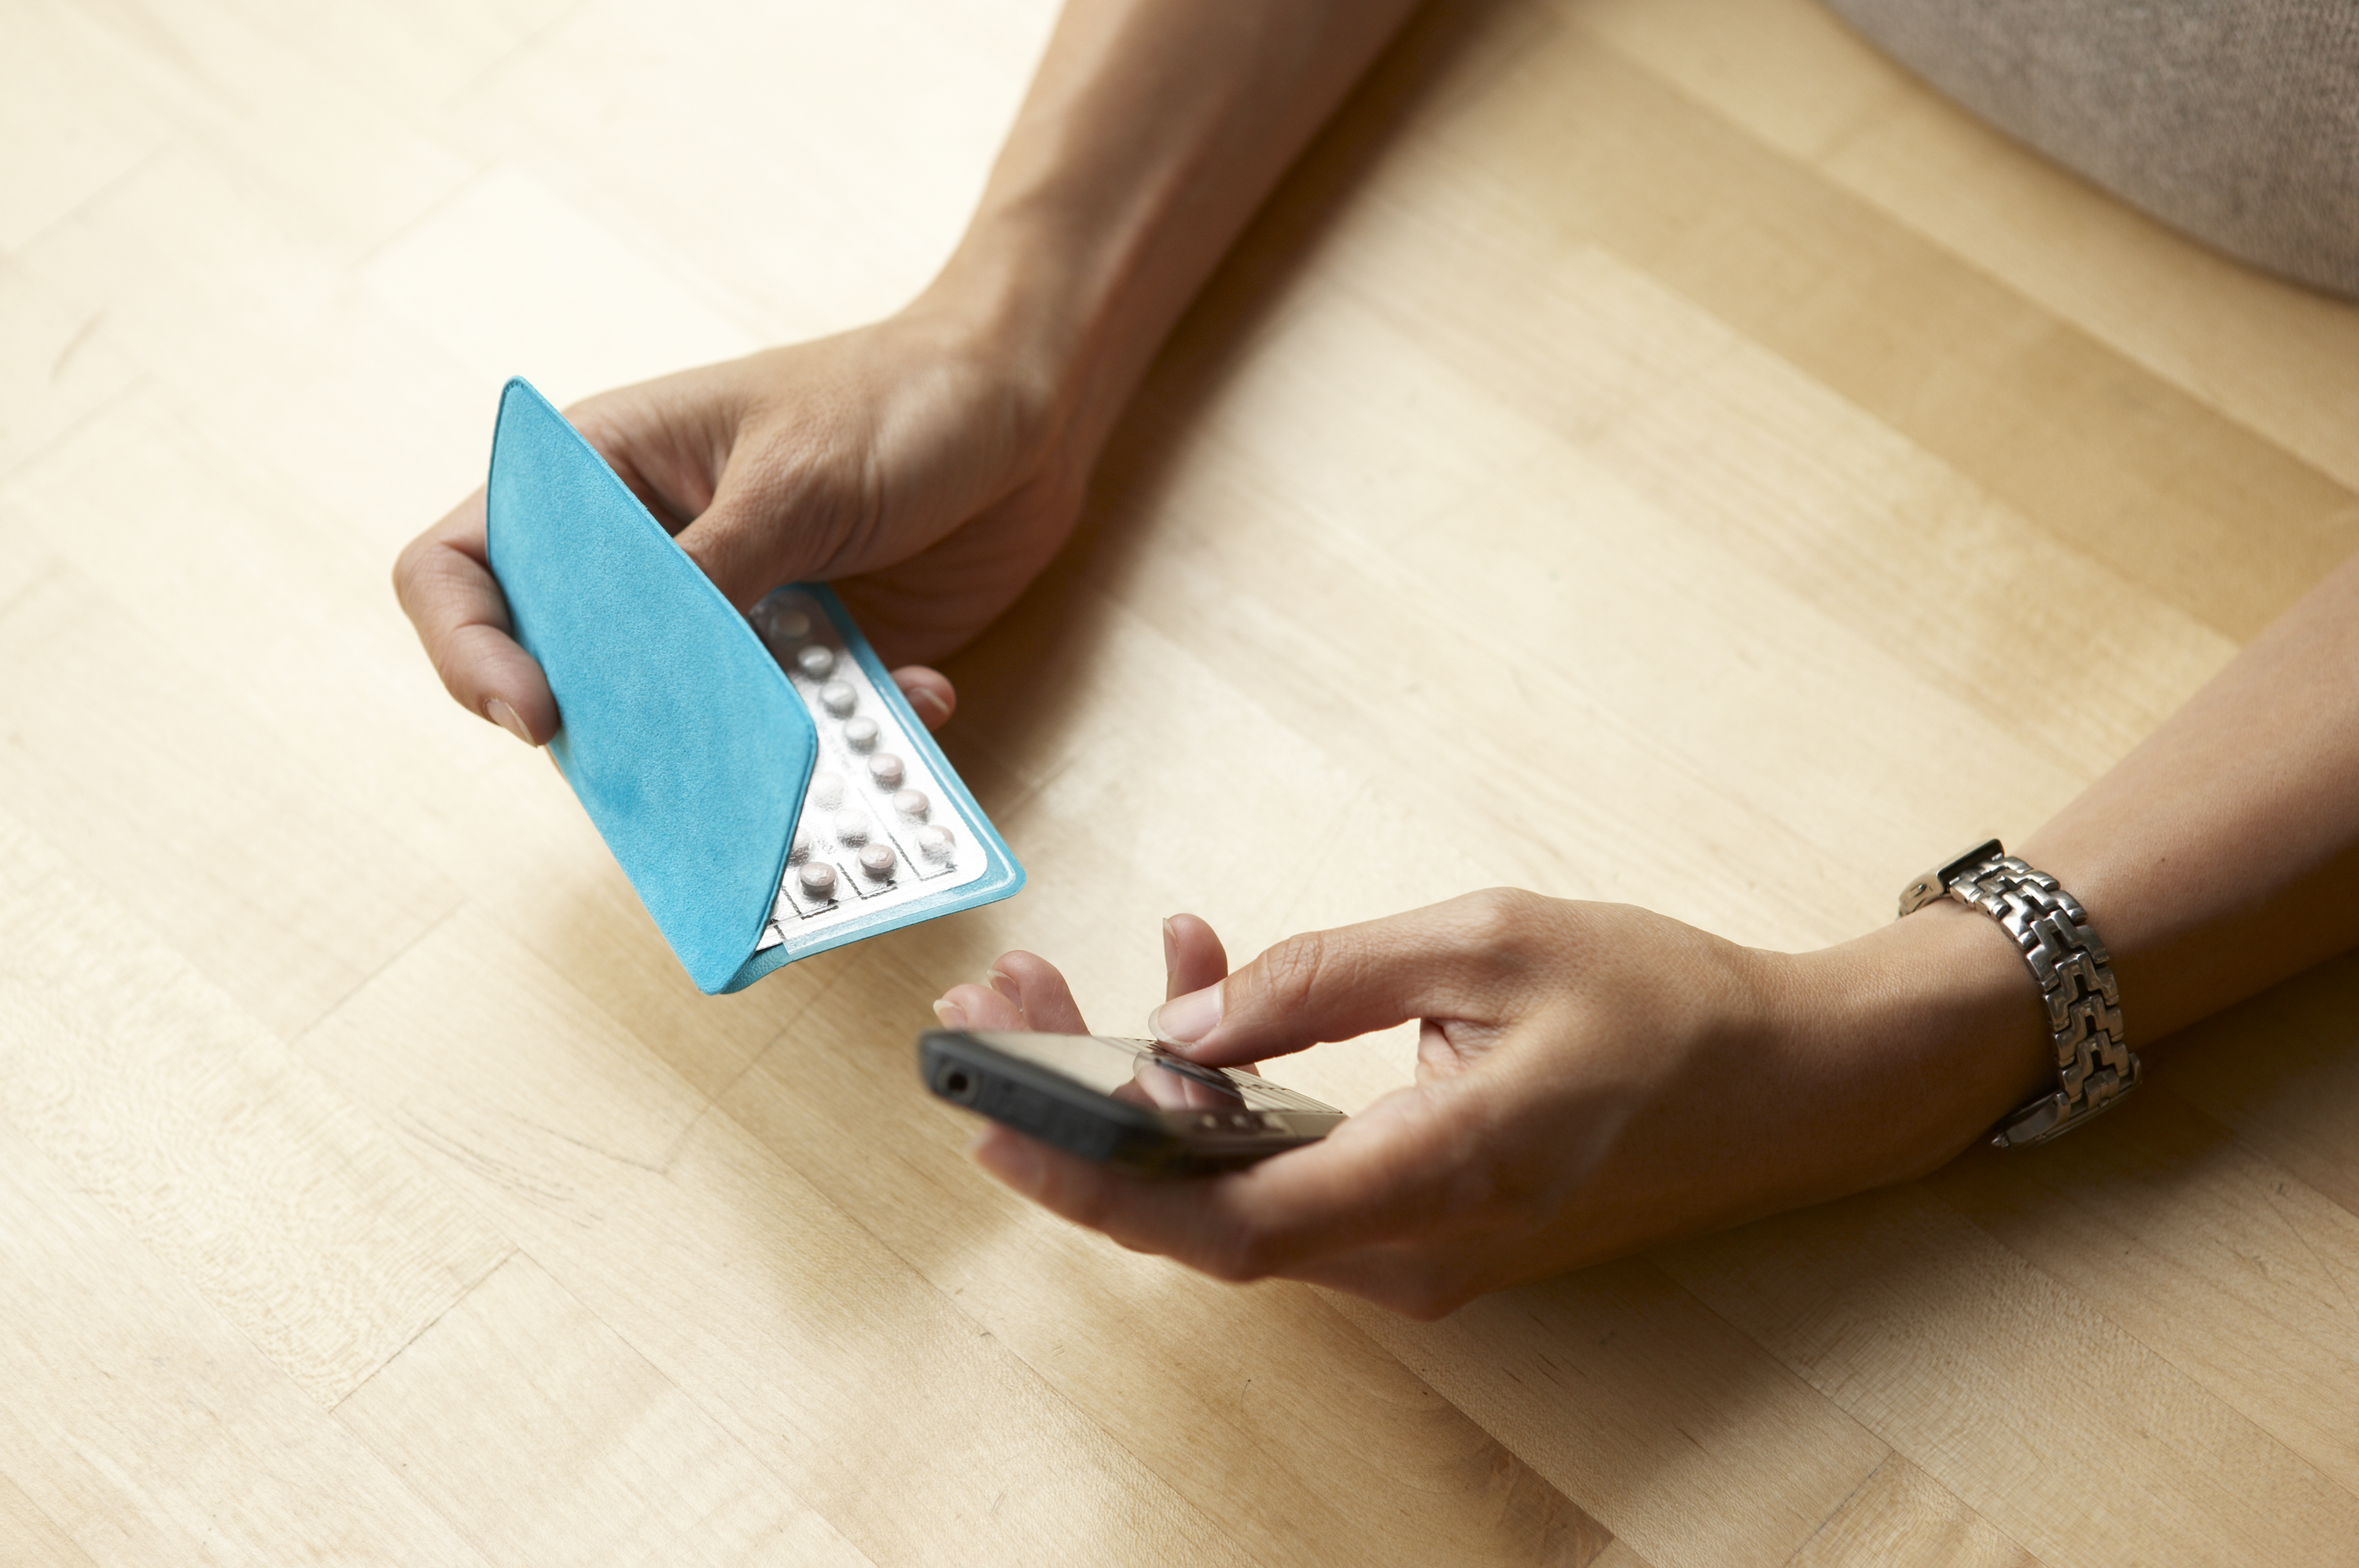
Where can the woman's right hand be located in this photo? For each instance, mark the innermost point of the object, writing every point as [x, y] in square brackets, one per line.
[1591, 1080]
[917, 462]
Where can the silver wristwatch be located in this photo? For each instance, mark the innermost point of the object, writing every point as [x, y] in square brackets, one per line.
[2094, 1070]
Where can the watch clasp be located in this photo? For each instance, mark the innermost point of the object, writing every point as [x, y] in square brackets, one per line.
[1935, 883]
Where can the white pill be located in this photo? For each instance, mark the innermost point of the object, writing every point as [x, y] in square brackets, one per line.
[852, 827]
[815, 661]
[885, 768]
[876, 860]
[802, 850]
[912, 804]
[826, 788]
[935, 843]
[838, 698]
[818, 879]
[860, 734]
[789, 625]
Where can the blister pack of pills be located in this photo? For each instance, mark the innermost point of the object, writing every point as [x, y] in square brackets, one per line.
[885, 824]
[765, 788]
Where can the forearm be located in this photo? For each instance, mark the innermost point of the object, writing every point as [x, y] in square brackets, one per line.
[2220, 856]
[1151, 133]
[2215, 860]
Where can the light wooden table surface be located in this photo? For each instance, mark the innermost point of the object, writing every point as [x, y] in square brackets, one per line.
[1653, 451]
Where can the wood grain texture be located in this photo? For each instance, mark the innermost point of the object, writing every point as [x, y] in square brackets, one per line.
[521, 1383]
[859, 1384]
[146, 1427]
[1616, 1382]
[2033, 1377]
[1309, 1442]
[297, 1219]
[1901, 1514]
[1650, 449]
[29, 1538]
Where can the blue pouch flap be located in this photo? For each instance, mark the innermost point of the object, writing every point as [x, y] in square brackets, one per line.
[684, 741]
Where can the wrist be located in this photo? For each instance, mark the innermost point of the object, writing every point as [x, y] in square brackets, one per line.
[1013, 303]
[1937, 1019]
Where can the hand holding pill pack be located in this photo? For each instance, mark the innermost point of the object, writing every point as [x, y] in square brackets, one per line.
[760, 779]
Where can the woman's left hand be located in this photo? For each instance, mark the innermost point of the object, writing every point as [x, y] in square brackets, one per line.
[1591, 1079]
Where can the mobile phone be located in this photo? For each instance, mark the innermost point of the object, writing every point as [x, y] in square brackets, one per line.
[1126, 1102]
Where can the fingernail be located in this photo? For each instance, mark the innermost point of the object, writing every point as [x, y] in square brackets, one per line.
[500, 713]
[1184, 1020]
[1003, 983]
[1171, 948]
[931, 710]
[951, 1013]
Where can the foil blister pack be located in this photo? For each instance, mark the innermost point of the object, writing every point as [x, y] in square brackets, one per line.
[885, 826]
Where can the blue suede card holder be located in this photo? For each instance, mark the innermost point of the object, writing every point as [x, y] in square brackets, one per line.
[689, 746]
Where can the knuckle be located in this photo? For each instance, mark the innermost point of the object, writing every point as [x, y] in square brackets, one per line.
[1494, 912]
[1287, 975]
[1502, 926]
[405, 567]
[592, 417]
[415, 581]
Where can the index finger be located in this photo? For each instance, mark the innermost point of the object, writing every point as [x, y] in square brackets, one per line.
[445, 580]
[1455, 959]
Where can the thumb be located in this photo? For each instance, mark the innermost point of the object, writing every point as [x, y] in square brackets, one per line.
[1443, 962]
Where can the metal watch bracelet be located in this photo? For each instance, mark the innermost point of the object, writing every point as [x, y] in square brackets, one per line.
[2094, 1069]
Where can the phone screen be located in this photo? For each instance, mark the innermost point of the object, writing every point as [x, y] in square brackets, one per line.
[1144, 1074]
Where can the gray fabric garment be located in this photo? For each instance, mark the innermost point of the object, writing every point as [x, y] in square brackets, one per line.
[2234, 120]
